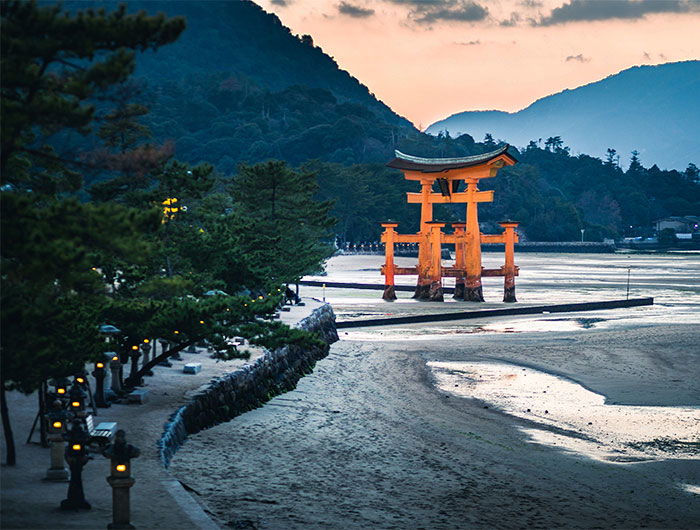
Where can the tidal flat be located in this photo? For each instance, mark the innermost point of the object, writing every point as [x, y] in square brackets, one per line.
[379, 436]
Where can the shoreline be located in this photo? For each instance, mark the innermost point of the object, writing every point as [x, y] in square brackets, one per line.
[369, 440]
[158, 499]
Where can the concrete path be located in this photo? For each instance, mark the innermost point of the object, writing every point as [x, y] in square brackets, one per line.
[158, 500]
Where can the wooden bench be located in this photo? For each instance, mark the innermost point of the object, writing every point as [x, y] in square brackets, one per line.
[103, 433]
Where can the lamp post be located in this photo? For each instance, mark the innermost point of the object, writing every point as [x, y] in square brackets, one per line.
[56, 427]
[120, 454]
[60, 387]
[76, 456]
[134, 354]
[114, 367]
[582, 231]
[76, 401]
[99, 373]
[147, 349]
[163, 347]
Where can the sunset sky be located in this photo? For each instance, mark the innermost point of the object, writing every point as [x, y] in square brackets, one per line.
[428, 59]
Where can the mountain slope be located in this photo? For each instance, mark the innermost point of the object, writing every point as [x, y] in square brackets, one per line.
[652, 109]
[239, 37]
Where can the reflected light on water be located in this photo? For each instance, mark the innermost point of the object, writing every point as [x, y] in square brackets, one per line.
[572, 417]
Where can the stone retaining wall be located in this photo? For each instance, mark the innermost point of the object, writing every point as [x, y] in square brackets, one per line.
[250, 387]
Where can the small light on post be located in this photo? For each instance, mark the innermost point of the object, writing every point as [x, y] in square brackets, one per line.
[56, 422]
[120, 453]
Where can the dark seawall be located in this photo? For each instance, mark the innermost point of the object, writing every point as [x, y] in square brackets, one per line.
[232, 394]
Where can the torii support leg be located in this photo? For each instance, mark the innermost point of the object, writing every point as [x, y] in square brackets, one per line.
[435, 293]
[473, 291]
[460, 236]
[388, 239]
[509, 267]
[424, 255]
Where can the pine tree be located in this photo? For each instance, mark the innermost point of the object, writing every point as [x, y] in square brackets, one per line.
[280, 222]
[52, 65]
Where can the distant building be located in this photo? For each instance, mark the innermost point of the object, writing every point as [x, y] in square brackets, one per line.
[683, 225]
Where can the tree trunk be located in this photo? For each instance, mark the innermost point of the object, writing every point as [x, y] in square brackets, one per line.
[160, 358]
[7, 429]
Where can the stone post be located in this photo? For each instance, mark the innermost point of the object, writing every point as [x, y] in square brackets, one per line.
[120, 454]
[164, 347]
[147, 350]
[56, 427]
[76, 401]
[76, 456]
[99, 373]
[134, 355]
[115, 367]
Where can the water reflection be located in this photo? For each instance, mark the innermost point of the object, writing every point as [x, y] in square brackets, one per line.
[572, 417]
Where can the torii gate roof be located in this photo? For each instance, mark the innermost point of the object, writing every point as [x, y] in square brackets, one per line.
[436, 165]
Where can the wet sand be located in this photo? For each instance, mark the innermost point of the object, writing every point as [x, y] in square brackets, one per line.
[370, 440]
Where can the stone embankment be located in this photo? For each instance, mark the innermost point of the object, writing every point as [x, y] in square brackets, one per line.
[251, 386]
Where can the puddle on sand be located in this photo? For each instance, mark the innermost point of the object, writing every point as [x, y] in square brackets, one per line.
[574, 418]
[453, 330]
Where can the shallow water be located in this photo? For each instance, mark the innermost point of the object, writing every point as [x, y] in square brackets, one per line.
[672, 280]
[576, 419]
[572, 417]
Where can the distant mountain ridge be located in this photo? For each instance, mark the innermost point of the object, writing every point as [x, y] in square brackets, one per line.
[653, 109]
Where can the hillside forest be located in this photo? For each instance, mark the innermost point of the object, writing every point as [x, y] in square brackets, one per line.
[238, 87]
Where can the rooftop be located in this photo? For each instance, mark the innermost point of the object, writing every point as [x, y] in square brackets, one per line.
[437, 165]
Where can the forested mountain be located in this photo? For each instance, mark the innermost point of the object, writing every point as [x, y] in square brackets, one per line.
[239, 87]
[651, 109]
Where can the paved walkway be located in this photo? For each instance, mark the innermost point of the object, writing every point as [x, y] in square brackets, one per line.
[158, 500]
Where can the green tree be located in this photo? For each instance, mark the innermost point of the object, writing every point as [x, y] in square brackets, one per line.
[52, 65]
[280, 223]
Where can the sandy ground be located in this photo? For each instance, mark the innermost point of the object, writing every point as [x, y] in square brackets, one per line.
[369, 440]
[157, 499]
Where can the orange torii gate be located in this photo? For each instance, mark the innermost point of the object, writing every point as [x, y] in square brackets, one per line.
[467, 237]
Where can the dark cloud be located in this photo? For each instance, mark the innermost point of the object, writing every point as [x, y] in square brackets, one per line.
[531, 3]
[512, 21]
[590, 10]
[429, 11]
[647, 57]
[469, 43]
[351, 10]
[578, 58]
[281, 3]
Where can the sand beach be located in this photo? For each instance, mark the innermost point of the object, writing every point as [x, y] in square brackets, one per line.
[421, 427]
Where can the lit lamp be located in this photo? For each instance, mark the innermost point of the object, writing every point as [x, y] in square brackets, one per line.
[76, 456]
[133, 379]
[99, 373]
[61, 387]
[147, 349]
[120, 454]
[115, 366]
[56, 426]
[76, 400]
